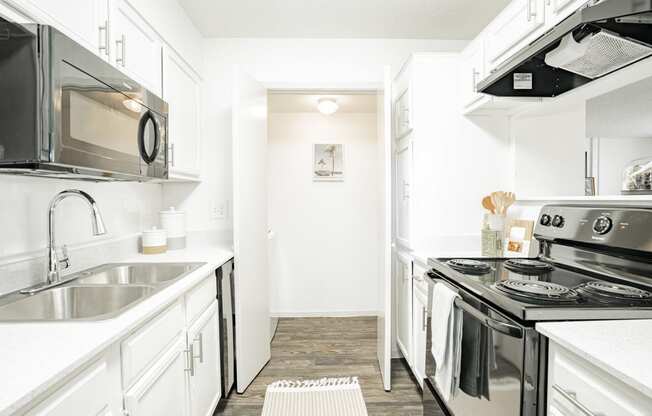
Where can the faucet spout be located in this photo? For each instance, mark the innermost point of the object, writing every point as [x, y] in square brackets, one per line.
[96, 219]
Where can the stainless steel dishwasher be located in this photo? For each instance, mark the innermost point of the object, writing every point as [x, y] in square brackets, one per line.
[225, 276]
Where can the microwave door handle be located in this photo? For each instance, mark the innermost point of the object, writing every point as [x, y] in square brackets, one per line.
[498, 326]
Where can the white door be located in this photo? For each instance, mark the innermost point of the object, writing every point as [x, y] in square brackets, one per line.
[205, 381]
[384, 347]
[181, 89]
[85, 21]
[404, 305]
[163, 390]
[472, 72]
[136, 47]
[249, 129]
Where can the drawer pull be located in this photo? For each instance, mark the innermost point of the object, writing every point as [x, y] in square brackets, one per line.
[572, 399]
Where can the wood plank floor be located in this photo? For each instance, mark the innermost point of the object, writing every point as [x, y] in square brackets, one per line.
[312, 348]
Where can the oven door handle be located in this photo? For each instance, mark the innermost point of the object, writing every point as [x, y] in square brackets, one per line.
[502, 327]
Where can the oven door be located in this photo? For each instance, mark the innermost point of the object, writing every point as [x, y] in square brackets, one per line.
[499, 362]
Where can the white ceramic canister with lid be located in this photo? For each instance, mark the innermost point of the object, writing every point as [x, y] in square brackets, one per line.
[174, 222]
[154, 241]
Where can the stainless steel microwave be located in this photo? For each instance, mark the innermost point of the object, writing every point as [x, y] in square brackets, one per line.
[65, 112]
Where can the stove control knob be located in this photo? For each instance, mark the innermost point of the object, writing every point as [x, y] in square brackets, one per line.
[545, 220]
[602, 225]
[558, 221]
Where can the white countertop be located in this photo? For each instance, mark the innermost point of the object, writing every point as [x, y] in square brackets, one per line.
[621, 348]
[34, 356]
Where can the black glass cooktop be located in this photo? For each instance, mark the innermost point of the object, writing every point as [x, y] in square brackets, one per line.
[531, 289]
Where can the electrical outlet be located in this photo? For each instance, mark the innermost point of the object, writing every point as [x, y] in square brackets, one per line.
[218, 211]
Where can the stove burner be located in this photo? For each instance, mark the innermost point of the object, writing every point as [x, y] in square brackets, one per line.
[469, 266]
[528, 266]
[616, 291]
[537, 290]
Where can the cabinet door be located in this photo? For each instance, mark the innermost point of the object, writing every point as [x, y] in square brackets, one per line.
[419, 329]
[85, 21]
[136, 47]
[181, 90]
[558, 10]
[88, 394]
[516, 26]
[205, 381]
[163, 390]
[472, 72]
[403, 115]
[403, 160]
[404, 305]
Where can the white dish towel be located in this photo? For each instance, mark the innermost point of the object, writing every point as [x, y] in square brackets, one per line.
[446, 324]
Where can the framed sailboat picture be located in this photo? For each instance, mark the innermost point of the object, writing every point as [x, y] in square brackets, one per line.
[328, 162]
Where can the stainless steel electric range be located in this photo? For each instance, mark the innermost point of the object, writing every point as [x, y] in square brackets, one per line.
[594, 263]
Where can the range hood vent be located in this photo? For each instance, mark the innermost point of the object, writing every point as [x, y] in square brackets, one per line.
[593, 42]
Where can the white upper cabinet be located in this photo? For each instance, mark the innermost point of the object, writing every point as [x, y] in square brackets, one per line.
[85, 21]
[136, 47]
[472, 72]
[181, 90]
[403, 160]
[521, 22]
[558, 10]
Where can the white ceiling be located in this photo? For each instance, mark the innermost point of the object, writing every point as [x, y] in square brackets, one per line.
[398, 19]
[307, 102]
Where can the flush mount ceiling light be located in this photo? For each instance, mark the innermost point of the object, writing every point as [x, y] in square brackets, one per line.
[327, 106]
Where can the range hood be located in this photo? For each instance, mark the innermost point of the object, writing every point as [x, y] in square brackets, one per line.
[594, 41]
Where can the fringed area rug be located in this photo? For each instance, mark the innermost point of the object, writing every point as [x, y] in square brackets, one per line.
[325, 397]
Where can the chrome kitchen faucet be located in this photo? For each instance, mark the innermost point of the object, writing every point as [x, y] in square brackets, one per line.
[54, 262]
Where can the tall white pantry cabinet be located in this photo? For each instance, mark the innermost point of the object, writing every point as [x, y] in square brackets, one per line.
[425, 118]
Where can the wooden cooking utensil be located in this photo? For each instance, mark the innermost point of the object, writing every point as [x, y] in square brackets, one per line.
[497, 200]
[488, 205]
[510, 198]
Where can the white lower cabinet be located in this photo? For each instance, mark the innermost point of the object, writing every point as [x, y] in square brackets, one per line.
[205, 381]
[403, 284]
[169, 366]
[163, 389]
[93, 392]
[419, 322]
[576, 387]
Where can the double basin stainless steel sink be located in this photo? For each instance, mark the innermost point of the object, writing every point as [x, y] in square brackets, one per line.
[100, 293]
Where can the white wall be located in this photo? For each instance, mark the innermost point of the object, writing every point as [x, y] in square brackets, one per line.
[287, 63]
[325, 250]
[549, 153]
[127, 208]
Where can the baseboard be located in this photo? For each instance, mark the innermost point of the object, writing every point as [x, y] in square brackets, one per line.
[323, 314]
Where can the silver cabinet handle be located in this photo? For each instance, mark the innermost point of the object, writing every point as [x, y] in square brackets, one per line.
[172, 154]
[190, 355]
[104, 38]
[572, 399]
[122, 45]
[424, 314]
[200, 338]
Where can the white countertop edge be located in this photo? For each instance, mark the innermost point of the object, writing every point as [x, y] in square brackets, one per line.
[127, 321]
[549, 329]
